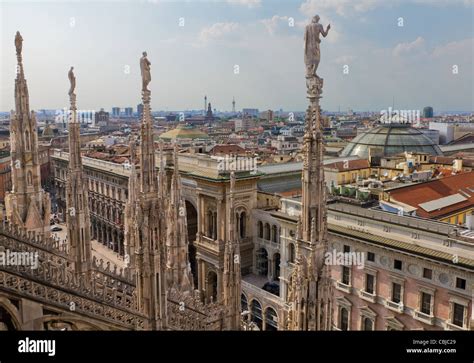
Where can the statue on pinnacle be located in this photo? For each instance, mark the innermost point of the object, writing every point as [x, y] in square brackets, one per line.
[312, 55]
[146, 74]
[18, 43]
[72, 81]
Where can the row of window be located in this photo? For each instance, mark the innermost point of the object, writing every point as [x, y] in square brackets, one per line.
[398, 265]
[426, 296]
[100, 187]
[108, 191]
[269, 233]
[105, 211]
[458, 314]
[240, 223]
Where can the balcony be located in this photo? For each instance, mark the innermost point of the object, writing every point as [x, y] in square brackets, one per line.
[208, 243]
[424, 318]
[367, 296]
[451, 326]
[266, 242]
[392, 305]
[343, 287]
[252, 284]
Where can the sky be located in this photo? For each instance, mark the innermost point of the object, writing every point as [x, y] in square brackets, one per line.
[409, 53]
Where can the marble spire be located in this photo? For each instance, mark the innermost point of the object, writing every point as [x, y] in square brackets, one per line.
[309, 289]
[27, 205]
[77, 200]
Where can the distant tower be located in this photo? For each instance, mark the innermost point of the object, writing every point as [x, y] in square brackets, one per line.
[77, 201]
[205, 105]
[209, 115]
[233, 105]
[428, 112]
[28, 205]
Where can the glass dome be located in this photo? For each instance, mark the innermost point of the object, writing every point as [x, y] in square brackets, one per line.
[393, 139]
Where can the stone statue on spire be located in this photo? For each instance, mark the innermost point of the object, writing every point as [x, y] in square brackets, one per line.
[72, 81]
[312, 55]
[146, 73]
[18, 44]
[72, 95]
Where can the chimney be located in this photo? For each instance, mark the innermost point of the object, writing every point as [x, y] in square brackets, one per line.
[457, 165]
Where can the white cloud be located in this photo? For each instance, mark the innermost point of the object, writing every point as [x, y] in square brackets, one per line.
[274, 22]
[248, 3]
[410, 48]
[455, 49]
[341, 7]
[215, 32]
[350, 7]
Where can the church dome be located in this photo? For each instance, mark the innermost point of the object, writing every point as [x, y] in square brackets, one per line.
[393, 139]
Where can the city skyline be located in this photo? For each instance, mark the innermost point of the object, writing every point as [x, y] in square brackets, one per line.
[199, 58]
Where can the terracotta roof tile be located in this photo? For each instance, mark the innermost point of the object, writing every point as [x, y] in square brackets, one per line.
[417, 194]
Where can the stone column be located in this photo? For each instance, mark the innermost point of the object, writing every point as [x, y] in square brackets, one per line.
[270, 268]
[221, 221]
[113, 239]
[119, 241]
[199, 272]
[202, 215]
[219, 285]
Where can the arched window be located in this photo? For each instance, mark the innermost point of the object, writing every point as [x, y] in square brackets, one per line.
[7, 320]
[368, 324]
[291, 252]
[242, 223]
[271, 319]
[343, 319]
[262, 262]
[260, 229]
[274, 233]
[276, 266]
[212, 285]
[256, 313]
[243, 303]
[267, 231]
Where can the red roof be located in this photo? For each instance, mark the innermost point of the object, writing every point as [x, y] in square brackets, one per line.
[417, 194]
[227, 149]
